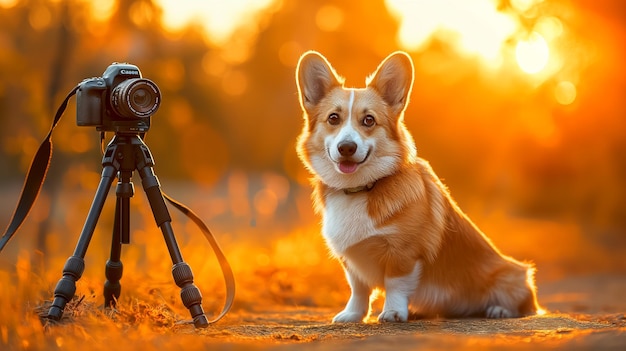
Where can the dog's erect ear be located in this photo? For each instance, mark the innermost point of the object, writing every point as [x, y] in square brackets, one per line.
[315, 77]
[393, 80]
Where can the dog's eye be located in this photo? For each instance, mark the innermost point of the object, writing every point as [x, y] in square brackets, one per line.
[368, 121]
[333, 119]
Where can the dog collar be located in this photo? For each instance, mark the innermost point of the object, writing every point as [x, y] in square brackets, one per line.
[358, 189]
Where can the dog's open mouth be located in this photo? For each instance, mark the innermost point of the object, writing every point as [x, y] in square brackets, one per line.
[349, 166]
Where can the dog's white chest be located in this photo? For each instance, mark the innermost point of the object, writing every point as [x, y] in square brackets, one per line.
[346, 221]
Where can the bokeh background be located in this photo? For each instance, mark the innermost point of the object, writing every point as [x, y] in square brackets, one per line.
[519, 105]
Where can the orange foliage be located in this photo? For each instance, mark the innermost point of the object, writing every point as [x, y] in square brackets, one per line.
[518, 106]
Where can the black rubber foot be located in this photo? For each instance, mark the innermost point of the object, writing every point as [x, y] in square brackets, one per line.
[55, 313]
[201, 322]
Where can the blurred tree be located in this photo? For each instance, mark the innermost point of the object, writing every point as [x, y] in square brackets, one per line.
[495, 134]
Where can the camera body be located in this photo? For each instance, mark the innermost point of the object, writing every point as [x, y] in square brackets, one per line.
[119, 101]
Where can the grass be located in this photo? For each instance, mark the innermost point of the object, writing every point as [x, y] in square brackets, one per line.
[288, 289]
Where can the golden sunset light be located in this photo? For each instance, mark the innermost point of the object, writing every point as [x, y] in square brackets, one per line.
[532, 55]
[472, 27]
[221, 20]
[489, 30]
[517, 105]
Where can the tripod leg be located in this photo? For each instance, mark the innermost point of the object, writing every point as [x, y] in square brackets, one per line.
[190, 294]
[114, 268]
[121, 235]
[75, 265]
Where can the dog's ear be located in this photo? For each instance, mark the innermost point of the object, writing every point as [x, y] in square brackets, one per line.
[315, 78]
[393, 80]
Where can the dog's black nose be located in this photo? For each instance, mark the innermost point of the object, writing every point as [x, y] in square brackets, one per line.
[347, 148]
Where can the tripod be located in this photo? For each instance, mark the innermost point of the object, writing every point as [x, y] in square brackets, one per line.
[126, 153]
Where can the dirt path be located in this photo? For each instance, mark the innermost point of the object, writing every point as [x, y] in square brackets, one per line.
[308, 329]
[587, 313]
[592, 317]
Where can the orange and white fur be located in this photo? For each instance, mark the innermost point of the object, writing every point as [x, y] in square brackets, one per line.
[386, 215]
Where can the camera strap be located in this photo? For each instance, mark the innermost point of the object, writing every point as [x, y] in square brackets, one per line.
[37, 174]
[35, 177]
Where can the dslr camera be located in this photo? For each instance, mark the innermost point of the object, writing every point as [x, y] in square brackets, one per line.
[119, 101]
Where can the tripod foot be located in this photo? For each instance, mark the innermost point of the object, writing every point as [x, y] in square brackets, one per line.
[112, 286]
[190, 294]
[66, 287]
[55, 313]
[201, 322]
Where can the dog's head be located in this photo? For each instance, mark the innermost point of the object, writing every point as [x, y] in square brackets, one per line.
[353, 137]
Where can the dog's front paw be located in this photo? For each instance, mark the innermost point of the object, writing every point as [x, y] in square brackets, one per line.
[346, 316]
[393, 316]
[498, 312]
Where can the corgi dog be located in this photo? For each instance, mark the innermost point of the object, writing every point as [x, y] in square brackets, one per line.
[386, 216]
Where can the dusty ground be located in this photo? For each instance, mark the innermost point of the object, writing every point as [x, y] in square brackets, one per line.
[309, 330]
[586, 313]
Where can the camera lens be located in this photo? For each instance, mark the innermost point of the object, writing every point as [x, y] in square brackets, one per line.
[136, 98]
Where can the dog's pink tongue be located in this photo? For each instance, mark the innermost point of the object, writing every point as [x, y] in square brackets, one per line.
[347, 166]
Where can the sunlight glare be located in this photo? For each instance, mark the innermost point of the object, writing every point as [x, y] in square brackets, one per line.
[519, 33]
[476, 27]
[220, 19]
[532, 54]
